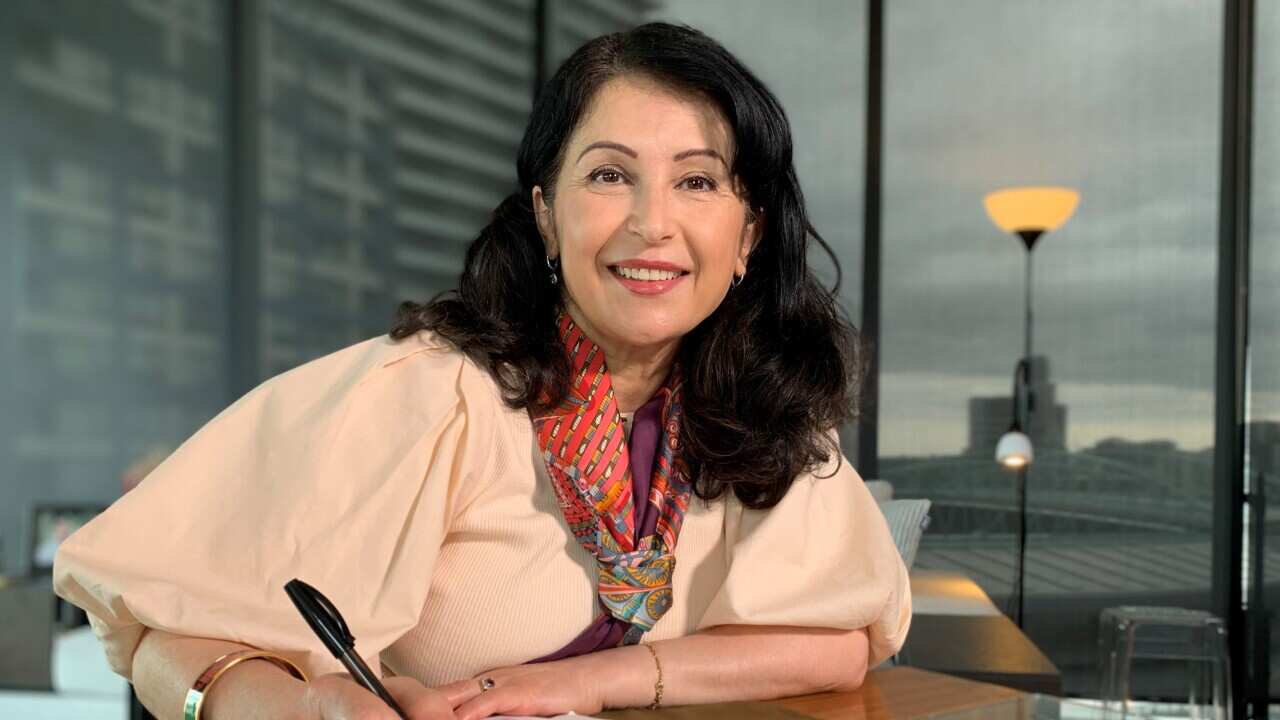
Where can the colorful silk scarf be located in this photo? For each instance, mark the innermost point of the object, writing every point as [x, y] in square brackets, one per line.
[587, 456]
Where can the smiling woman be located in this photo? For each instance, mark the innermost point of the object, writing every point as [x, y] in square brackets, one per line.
[657, 149]
[648, 238]
[618, 430]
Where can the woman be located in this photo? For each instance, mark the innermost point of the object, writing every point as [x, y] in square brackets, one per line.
[603, 473]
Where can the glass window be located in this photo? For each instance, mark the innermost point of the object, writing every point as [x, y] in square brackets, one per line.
[1120, 101]
[1263, 405]
[387, 133]
[112, 210]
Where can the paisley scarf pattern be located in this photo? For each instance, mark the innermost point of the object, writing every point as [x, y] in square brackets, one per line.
[585, 450]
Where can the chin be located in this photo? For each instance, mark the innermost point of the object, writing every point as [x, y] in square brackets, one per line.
[651, 332]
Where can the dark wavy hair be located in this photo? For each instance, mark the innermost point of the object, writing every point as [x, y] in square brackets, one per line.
[772, 369]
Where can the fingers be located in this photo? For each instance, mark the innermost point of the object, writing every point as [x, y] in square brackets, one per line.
[337, 697]
[507, 697]
[491, 702]
[417, 701]
[512, 695]
[460, 691]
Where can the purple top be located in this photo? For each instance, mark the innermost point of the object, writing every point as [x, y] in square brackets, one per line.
[606, 631]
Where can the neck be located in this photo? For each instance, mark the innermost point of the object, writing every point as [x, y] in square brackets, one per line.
[637, 371]
[636, 379]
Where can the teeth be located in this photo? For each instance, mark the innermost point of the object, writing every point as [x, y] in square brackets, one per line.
[646, 274]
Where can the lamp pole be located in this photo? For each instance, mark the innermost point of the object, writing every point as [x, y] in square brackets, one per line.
[1029, 238]
[1022, 540]
[1026, 333]
[1028, 212]
[1021, 416]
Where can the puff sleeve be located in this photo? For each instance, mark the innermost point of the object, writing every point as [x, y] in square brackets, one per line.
[822, 557]
[343, 472]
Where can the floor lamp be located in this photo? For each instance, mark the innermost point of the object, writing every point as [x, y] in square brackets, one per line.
[1029, 213]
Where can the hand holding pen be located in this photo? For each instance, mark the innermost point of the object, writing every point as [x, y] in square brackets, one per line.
[336, 697]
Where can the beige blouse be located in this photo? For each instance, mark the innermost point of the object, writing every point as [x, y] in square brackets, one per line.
[391, 476]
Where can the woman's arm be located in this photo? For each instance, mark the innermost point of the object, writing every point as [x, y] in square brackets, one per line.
[736, 662]
[165, 666]
[721, 664]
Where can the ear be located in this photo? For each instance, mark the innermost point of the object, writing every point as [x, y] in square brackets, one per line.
[546, 223]
[751, 233]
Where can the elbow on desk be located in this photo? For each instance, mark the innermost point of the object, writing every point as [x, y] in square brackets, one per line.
[848, 675]
[851, 679]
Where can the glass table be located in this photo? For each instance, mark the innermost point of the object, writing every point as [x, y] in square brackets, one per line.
[1046, 707]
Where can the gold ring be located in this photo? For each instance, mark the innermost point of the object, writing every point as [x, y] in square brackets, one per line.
[486, 684]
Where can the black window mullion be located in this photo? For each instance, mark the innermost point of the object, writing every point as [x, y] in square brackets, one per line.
[1232, 336]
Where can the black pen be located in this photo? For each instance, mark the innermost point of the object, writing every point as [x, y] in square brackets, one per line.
[332, 630]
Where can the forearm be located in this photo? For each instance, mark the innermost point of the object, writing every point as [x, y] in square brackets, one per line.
[737, 662]
[165, 666]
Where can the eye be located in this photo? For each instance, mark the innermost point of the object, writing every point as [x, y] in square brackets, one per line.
[704, 183]
[603, 173]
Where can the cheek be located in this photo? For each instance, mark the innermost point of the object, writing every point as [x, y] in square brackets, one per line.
[593, 224]
[718, 251]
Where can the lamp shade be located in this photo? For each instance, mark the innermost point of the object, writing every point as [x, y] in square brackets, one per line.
[1042, 209]
[1014, 450]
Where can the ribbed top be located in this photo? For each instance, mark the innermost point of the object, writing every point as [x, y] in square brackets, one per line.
[391, 476]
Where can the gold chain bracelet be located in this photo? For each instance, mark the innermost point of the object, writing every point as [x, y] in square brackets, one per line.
[657, 686]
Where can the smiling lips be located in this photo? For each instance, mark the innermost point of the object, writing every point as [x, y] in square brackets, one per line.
[647, 277]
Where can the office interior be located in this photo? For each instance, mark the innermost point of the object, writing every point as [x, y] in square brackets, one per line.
[197, 195]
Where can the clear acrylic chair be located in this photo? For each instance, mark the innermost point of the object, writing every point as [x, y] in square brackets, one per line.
[1173, 638]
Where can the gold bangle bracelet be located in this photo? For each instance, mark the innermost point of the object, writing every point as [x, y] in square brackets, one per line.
[657, 686]
[195, 696]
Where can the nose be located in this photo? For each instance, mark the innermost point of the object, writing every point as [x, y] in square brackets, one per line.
[651, 215]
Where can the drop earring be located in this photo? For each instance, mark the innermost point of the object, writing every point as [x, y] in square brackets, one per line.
[551, 265]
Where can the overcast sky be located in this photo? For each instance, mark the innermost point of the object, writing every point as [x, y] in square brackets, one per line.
[1119, 100]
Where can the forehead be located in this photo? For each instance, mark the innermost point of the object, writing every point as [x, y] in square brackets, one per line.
[645, 115]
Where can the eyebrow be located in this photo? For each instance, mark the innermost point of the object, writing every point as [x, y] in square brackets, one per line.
[608, 145]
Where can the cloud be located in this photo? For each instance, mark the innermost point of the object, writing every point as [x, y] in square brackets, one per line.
[1120, 100]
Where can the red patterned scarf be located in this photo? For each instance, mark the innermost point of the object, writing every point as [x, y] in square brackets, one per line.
[584, 446]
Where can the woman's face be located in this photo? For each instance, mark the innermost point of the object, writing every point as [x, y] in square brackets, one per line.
[645, 220]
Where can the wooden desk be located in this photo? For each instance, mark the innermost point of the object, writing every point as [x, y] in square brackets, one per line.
[984, 648]
[899, 693]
